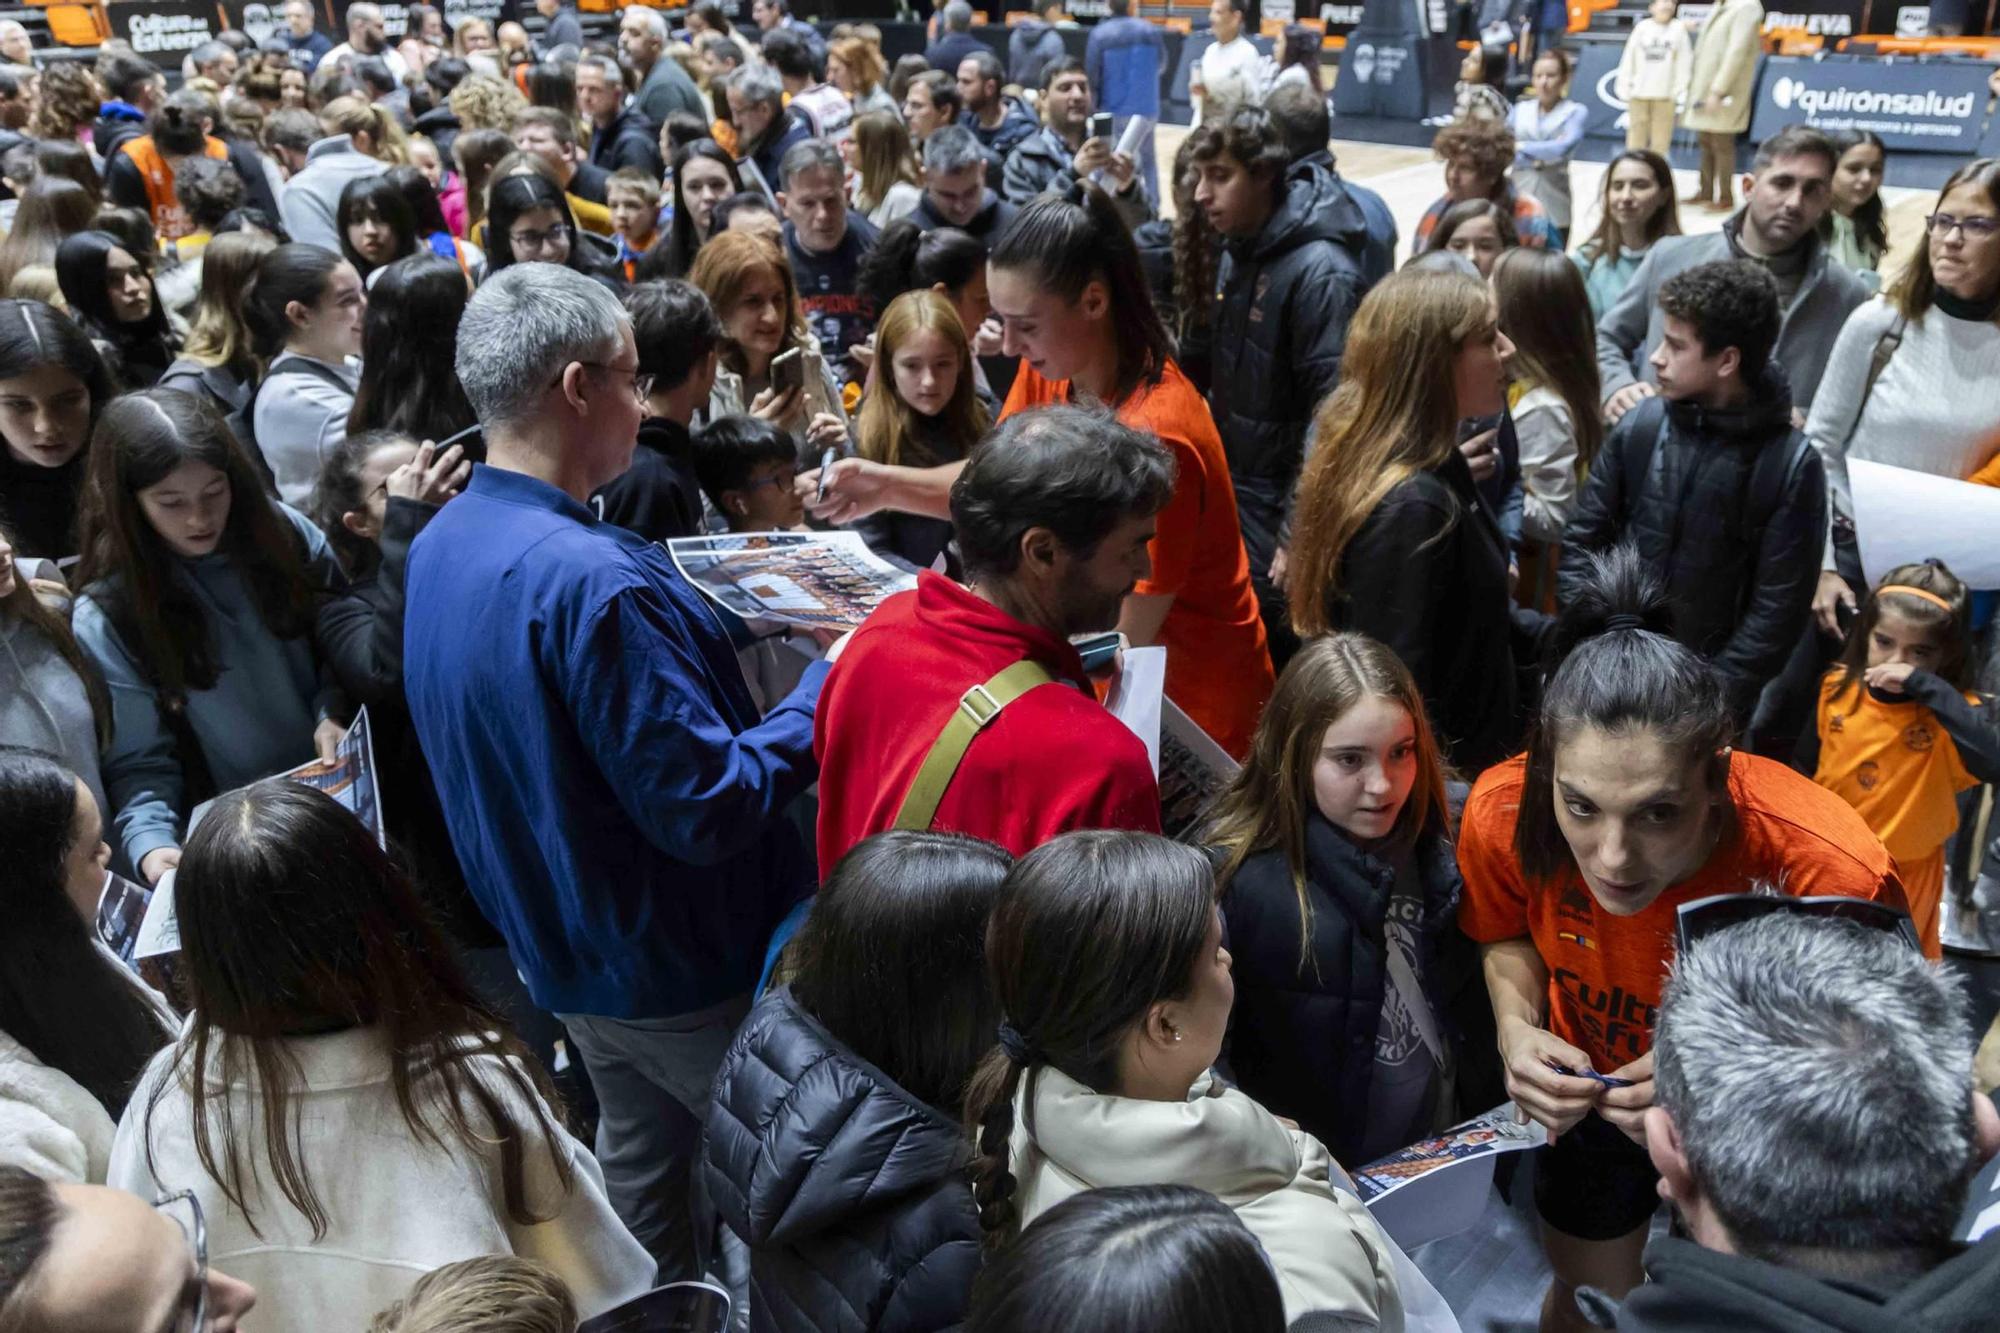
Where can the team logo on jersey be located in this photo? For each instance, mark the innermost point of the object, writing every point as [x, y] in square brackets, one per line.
[1919, 737]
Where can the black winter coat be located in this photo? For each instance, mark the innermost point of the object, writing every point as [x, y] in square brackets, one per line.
[851, 1194]
[628, 141]
[1303, 1034]
[658, 496]
[1741, 582]
[1280, 328]
[1427, 575]
[360, 635]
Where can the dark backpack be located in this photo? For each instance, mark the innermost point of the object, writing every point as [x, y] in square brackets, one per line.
[243, 422]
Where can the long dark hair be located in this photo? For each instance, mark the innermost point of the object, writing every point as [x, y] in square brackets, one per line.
[68, 1001]
[408, 383]
[1131, 1259]
[907, 257]
[30, 1211]
[139, 439]
[1666, 220]
[1952, 623]
[51, 209]
[293, 272]
[294, 922]
[422, 199]
[891, 958]
[375, 197]
[338, 493]
[1871, 220]
[1196, 250]
[1545, 313]
[144, 348]
[682, 241]
[34, 334]
[1090, 929]
[23, 604]
[1071, 240]
[1619, 669]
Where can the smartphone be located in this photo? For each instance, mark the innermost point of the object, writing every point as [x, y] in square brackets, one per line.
[788, 372]
[1100, 126]
[1097, 650]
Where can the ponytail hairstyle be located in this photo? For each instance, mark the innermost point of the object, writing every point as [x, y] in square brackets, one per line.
[140, 438]
[292, 272]
[1618, 669]
[1901, 590]
[177, 125]
[1071, 240]
[353, 114]
[1090, 930]
[907, 258]
[1270, 801]
[62, 997]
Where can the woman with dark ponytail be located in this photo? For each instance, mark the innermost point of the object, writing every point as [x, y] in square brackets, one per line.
[1105, 952]
[1577, 855]
[951, 263]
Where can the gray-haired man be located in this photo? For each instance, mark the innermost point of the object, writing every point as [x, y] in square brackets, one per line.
[1815, 1126]
[610, 789]
[955, 190]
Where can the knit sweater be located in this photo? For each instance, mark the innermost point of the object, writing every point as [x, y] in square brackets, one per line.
[1935, 408]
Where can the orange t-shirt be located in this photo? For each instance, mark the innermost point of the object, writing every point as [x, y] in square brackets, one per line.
[1218, 665]
[1605, 971]
[1894, 763]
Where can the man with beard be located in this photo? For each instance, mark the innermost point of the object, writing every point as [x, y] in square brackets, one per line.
[965, 708]
[1052, 159]
[1789, 189]
[366, 36]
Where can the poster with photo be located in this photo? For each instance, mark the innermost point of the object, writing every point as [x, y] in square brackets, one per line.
[814, 580]
[1193, 770]
[120, 911]
[1438, 1186]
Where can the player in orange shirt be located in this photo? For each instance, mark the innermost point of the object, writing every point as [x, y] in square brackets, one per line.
[1065, 279]
[1577, 856]
[1899, 735]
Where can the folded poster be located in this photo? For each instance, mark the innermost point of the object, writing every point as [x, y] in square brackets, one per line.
[1438, 1187]
[815, 580]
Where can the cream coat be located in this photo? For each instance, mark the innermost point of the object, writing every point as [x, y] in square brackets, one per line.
[1725, 65]
[1329, 1254]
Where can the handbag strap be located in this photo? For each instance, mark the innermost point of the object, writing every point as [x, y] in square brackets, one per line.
[1878, 361]
[977, 707]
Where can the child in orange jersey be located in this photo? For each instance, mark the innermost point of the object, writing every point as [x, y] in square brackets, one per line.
[1899, 735]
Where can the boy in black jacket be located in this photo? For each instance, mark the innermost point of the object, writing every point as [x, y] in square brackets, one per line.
[1719, 491]
[679, 341]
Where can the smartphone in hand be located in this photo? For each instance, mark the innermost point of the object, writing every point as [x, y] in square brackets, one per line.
[788, 372]
[1100, 127]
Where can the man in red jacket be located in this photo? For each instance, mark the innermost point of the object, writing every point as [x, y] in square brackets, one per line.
[1052, 515]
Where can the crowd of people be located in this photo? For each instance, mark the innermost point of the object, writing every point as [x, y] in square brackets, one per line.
[1512, 589]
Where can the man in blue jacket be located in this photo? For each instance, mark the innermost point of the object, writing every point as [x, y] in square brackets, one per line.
[1124, 58]
[613, 796]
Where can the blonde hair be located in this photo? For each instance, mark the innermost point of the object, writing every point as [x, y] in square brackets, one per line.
[882, 143]
[357, 115]
[1395, 414]
[37, 282]
[498, 1293]
[724, 266]
[228, 264]
[893, 432]
[1269, 802]
[864, 64]
[482, 102]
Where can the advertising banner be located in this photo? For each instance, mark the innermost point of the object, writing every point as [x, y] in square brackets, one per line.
[166, 31]
[1929, 107]
[1595, 84]
[1831, 19]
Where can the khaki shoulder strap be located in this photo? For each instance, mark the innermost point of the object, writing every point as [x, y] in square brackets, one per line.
[976, 707]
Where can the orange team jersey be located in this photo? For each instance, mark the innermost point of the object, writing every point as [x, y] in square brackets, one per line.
[1218, 665]
[1605, 971]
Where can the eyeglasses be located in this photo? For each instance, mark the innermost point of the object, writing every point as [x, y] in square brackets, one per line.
[185, 1210]
[1975, 228]
[539, 240]
[642, 382]
[1705, 916]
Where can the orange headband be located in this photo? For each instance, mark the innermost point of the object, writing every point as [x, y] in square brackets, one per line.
[1921, 594]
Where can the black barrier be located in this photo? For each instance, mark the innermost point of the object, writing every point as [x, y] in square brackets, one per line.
[1932, 106]
[166, 31]
[1595, 84]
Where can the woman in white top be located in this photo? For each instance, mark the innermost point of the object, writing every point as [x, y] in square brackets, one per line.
[1105, 952]
[885, 167]
[1935, 407]
[346, 1110]
[76, 1028]
[1230, 72]
[1548, 129]
[305, 310]
[1544, 312]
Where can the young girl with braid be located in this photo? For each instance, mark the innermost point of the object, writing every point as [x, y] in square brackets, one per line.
[1105, 952]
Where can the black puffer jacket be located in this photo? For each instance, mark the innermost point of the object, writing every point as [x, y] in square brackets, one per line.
[1303, 1034]
[851, 1194]
[1741, 580]
[1279, 331]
